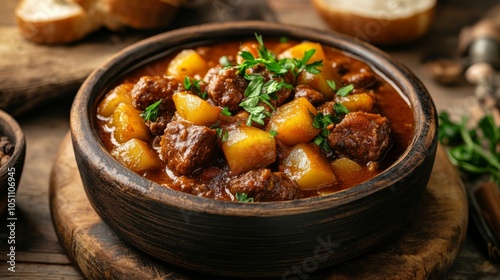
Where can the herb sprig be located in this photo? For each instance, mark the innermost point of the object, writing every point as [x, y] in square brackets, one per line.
[322, 122]
[259, 91]
[243, 197]
[473, 150]
[194, 85]
[151, 112]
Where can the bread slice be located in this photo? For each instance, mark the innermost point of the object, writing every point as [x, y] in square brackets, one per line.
[138, 14]
[378, 21]
[55, 21]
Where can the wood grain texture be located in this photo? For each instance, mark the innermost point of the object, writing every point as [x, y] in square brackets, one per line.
[424, 249]
[32, 75]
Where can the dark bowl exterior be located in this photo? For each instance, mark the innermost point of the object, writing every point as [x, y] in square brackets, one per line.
[10, 173]
[251, 239]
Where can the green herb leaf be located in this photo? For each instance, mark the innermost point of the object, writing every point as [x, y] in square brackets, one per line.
[243, 197]
[340, 109]
[225, 111]
[194, 86]
[257, 91]
[322, 121]
[344, 91]
[331, 84]
[151, 112]
[273, 133]
[221, 133]
[472, 150]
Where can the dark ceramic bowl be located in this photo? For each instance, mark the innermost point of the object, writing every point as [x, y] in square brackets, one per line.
[10, 171]
[251, 239]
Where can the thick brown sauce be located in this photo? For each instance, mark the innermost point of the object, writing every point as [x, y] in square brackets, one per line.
[388, 103]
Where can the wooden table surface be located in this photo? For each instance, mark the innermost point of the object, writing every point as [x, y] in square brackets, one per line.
[38, 252]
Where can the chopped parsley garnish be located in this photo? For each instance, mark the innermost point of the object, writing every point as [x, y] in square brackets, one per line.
[194, 85]
[221, 133]
[151, 112]
[273, 133]
[257, 91]
[331, 84]
[340, 109]
[343, 91]
[225, 111]
[321, 121]
[243, 197]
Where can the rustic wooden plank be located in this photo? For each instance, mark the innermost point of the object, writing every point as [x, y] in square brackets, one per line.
[31, 74]
[25, 256]
[30, 271]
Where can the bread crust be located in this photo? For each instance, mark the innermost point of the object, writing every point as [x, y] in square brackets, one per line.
[85, 16]
[60, 29]
[384, 31]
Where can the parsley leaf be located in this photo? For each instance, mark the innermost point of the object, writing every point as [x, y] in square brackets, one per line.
[322, 121]
[243, 197]
[344, 91]
[225, 111]
[151, 112]
[472, 150]
[258, 91]
[194, 85]
[340, 109]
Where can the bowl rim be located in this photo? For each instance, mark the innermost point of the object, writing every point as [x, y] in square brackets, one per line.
[16, 136]
[423, 140]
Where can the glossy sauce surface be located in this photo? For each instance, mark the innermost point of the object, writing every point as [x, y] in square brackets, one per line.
[388, 102]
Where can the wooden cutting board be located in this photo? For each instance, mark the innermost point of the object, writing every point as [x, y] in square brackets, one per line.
[424, 249]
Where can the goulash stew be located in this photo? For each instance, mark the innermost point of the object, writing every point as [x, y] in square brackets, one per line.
[249, 122]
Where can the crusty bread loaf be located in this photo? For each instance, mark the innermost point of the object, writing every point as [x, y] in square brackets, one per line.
[54, 21]
[378, 21]
[64, 21]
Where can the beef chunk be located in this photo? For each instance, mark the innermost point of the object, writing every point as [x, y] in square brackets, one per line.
[363, 79]
[226, 87]
[363, 137]
[192, 186]
[313, 96]
[186, 147]
[264, 185]
[327, 108]
[150, 89]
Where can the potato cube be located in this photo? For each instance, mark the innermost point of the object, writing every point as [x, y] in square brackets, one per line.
[194, 109]
[248, 148]
[127, 123]
[293, 122]
[298, 51]
[319, 81]
[114, 97]
[356, 102]
[136, 155]
[187, 63]
[316, 81]
[249, 46]
[307, 166]
[344, 166]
